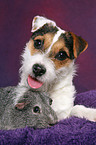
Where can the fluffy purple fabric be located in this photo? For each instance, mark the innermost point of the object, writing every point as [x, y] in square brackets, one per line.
[72, 131]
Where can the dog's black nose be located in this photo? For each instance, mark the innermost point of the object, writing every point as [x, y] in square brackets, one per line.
[39, 70]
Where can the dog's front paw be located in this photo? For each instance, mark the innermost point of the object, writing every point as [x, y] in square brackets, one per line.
[84, 112]
[77, 111]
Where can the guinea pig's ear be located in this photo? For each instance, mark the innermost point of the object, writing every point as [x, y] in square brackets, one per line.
[40, 21]
[22, 104]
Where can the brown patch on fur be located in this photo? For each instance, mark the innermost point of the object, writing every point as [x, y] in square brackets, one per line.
[59, 46]
[59, 64]
[31, 47]
[47, 38]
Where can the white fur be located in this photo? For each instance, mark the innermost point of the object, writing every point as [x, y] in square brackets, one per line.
[55, 38]
[58, 83]
[39, 21]
[84, 112]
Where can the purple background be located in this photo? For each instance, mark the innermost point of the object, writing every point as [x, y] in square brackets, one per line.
[15, 30]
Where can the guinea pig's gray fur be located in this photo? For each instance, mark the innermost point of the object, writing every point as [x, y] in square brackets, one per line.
[33, 109]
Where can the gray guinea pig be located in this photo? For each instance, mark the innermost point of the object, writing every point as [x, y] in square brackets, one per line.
[33, 109]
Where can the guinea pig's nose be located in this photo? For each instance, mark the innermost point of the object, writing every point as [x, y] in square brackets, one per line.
[39, 70]
[53, 119]
[52, 124]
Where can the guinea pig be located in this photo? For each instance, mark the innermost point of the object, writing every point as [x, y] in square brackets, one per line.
[33, 109]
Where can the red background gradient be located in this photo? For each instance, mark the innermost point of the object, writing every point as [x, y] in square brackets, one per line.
[78, 16]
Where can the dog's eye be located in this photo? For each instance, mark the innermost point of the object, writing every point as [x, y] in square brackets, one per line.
[38, 43]
[61, 55]
[36, 109]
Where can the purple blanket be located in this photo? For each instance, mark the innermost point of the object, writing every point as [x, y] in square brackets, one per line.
[72, 131]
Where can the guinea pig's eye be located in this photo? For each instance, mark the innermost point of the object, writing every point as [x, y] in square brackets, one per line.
[61, 55]
[36, 109]
[38, 44]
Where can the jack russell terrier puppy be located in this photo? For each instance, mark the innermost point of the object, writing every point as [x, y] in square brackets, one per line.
[48, 65]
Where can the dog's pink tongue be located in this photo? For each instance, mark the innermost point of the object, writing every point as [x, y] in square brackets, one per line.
[33, 83]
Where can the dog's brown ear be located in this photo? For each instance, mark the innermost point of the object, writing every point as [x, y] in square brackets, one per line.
[79, 45]
[75, 44]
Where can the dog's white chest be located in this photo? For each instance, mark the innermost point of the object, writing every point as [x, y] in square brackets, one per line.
[63, 99]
